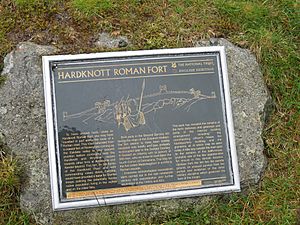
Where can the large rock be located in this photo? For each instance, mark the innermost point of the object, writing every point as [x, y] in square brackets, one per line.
[22, 121]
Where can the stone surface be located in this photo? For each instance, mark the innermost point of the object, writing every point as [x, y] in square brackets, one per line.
[22, 121]
[2, 140]
[250, 101]
[107, 41]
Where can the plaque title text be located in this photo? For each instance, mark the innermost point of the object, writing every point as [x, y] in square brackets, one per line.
[111, 72]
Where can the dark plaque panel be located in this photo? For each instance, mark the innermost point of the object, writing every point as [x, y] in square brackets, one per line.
[128, 126]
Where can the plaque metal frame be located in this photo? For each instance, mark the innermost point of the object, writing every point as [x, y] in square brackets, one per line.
[52, 133]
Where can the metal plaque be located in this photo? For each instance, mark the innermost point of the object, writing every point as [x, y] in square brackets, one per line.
[141, 125]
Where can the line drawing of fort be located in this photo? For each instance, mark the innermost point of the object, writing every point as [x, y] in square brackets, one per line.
[130, 112]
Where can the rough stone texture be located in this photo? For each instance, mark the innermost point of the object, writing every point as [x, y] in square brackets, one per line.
[106, 41]
[2, 141]
[22, 121]
[250, 101]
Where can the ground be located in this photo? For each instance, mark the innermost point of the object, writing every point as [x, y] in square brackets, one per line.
[270, 29]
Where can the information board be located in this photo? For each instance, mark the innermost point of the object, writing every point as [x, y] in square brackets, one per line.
[140, 125]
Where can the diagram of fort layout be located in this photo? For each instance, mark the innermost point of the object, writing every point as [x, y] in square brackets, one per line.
[130, 112]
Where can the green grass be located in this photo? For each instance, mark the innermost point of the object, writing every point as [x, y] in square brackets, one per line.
[270, 29]
[92, 7]
[27, 3]
[10, 171]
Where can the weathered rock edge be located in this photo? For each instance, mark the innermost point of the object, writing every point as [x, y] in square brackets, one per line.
[22, 121]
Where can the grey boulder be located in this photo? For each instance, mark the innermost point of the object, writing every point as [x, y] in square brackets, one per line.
[23, 123]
